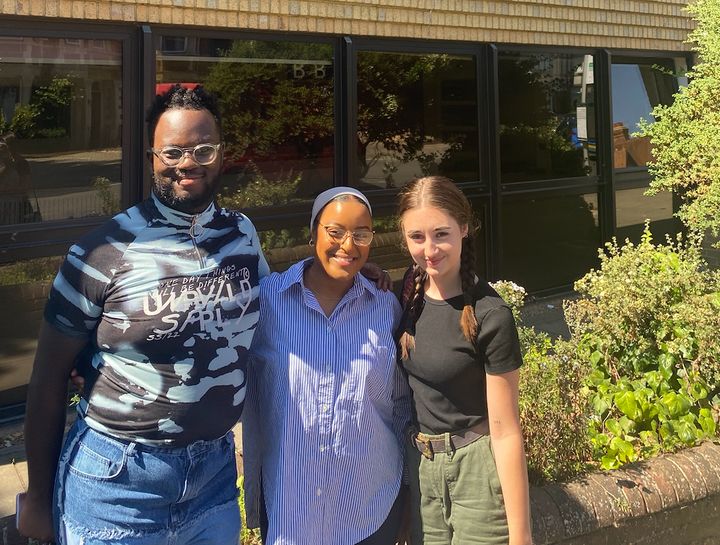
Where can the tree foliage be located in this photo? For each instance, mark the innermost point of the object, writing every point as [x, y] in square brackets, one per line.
[686, 135]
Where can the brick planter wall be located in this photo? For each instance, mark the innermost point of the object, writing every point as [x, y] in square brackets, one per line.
[668, 500]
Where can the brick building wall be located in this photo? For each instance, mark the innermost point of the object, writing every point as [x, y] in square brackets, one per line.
[624, 24]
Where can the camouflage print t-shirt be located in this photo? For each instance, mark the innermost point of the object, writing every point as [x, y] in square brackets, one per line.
[169, 305]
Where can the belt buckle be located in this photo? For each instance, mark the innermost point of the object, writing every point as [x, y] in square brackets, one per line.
[427, 449]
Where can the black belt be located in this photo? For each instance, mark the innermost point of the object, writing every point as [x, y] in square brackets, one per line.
[428, 445]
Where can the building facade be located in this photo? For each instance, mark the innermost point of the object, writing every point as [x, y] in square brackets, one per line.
[530, 106]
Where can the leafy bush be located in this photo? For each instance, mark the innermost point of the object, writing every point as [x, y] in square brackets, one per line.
[261, 192]
[39, 270]
[109, 203]
[686, 135]
[553, 407]
[647, 324]
[248, 536]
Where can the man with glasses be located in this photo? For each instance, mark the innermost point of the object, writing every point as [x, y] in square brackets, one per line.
[157, 308]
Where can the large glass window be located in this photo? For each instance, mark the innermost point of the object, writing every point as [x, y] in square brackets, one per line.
[549, 240]
[547, 116]
[417, 115]
[633, 208]
[60, 128]
[277, 104]
[24, 288]
[636, 89]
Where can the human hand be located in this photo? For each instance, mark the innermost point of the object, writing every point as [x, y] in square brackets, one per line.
[381, 277]
[33, 518]
[77, 380]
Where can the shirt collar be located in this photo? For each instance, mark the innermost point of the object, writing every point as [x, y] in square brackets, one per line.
[176, 217]
[294, 275]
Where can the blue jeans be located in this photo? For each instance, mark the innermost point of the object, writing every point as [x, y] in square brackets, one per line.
[109, 491]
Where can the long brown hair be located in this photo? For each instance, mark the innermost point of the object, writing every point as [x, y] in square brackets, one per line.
[441, 193]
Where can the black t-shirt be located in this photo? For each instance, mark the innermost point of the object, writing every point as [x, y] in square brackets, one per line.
[446, 373]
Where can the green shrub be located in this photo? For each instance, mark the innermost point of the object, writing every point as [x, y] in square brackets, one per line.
[553, 407]
[261, 192]
[38, 270]
[110, 205]
[247, 536]
[686, 134]
[647, 323]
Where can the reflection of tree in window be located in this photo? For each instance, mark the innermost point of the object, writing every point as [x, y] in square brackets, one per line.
[540, 99]
[417, 115]
[277, 104]
[47, 115]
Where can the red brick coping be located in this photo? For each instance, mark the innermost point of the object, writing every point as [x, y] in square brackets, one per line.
[586, 505]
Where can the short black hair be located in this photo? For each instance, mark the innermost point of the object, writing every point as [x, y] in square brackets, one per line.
[182, 98]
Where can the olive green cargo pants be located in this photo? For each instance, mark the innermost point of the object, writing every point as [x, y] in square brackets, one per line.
[455, 498]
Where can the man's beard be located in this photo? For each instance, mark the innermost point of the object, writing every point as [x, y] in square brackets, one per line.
[189, 205]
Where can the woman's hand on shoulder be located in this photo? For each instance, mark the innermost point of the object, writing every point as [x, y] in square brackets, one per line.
[381, 277]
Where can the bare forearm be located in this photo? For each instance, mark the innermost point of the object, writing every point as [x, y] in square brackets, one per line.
[512, 470]
[46, 408]
[44, 425]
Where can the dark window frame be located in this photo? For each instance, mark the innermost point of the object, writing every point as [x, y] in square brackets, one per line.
[44, 239]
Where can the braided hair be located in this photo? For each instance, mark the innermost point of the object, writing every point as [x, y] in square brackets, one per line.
[442, 193]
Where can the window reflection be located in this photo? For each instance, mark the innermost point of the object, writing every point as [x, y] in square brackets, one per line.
[60, 126]
[417, 116]
[634, 208]
[24, 288]
[636, 90]
[277, 105]
[547, 116]
[549, 240]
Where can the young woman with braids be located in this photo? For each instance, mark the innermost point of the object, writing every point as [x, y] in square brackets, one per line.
[460, 349]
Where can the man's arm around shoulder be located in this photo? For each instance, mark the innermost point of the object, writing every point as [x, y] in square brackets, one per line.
[44, 425]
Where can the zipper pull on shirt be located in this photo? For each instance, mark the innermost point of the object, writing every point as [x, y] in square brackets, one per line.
[196, 229]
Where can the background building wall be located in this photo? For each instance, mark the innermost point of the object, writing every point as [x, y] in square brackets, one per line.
[624, 24]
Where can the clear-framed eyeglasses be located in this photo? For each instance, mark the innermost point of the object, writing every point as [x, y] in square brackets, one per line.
[202, 154]
[361, 237]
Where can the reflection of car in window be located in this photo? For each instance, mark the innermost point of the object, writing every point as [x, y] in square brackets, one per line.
[568, 128]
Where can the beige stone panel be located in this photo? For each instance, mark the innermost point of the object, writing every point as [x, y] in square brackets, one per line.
[128, 13]
[200, 17]
[212, 17]
[142, 12]
[90, 10]
[51, 9]
[103, 11]
[22, 7]
[8, 7]
[37, 7]
[231, 19]
[153, 14]
[77, 10]
[176, 16]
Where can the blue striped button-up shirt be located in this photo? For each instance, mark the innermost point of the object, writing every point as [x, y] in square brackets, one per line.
[325, 414]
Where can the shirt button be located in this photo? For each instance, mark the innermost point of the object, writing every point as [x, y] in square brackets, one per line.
[324, 408]
[318, 492]
[323, 448]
